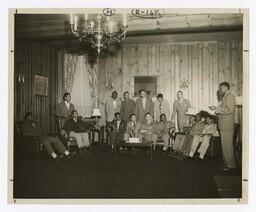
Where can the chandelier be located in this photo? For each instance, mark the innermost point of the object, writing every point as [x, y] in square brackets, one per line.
[99, 31]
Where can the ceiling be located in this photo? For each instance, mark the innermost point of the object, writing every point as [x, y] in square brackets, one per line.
[54, 28]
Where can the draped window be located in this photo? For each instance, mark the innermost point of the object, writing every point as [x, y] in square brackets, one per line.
[80, 79]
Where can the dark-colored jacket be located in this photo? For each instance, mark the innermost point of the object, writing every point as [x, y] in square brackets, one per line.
[30, 128]
[78, 126]
[127, 108]
[140, 112]
[122, 126]
[226, 112]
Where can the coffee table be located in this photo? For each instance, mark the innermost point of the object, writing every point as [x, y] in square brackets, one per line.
[148, 145]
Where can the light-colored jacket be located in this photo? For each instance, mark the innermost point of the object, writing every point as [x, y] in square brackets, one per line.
[226, 112]
[110, 110]
[165, 108]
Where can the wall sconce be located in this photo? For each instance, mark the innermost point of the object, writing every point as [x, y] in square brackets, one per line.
[21, 78]
[184, 84]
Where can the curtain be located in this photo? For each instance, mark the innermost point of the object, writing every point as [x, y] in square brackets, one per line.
[80, 88]
[70, 63]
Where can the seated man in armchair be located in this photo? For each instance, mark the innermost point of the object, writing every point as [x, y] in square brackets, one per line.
[210, 129]
[78, 129]
[30, 128]
[183, 143]
[162, 131]
[133, 127]
[147, 128]
[117, 131]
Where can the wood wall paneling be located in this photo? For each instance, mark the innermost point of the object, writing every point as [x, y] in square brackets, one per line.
[33, 58]
[204, 64]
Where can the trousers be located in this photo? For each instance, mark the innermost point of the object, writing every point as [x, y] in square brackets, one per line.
[204, 140]
[227, 148]
[82, 139]
[51, 144]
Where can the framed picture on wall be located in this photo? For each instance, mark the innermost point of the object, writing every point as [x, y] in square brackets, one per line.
[41, 85]
[148, 83]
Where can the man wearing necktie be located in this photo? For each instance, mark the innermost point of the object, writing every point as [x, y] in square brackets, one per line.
[161, 106]
[180, 108]
[226, 120]
[64, 109]
[118, 129]
[144, 105]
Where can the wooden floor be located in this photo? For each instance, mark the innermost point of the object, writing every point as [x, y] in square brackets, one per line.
[129, 176]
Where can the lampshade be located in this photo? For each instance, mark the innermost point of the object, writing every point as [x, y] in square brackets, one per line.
[239, 100]
[96, 112]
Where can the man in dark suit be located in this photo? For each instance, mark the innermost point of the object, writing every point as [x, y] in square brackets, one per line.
[31, 128]
[226, 121]
[118, 129]
[127, 107]
[64, 109]
[144, 105]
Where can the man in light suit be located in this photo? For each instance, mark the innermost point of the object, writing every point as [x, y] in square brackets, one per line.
[161, 106]
[180, 108]
[64, 109]
[144, 105]
[226, 121]
[112, 107]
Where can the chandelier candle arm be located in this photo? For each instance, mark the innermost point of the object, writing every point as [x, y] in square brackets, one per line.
[100, 31]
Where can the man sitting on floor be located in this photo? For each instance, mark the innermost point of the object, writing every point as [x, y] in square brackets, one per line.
[77, 128]
[30, 128]
[118, 128]
[209, 129]
[185, 141]
[162, 131]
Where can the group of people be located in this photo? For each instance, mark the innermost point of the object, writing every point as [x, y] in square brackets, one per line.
[148, 121]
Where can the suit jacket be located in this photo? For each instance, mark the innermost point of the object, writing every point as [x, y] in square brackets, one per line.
[30, 128]
[180, 109]
[140, 111]
[162, 128]
[63, 112]
[127, 108]
[110, 110]
[79, 126]
[148, 128]
[133, 130]
[122, 126]
[165, 108]
[226, 112]
[197, 128]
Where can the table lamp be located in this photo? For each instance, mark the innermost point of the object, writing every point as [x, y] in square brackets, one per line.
[96, 113]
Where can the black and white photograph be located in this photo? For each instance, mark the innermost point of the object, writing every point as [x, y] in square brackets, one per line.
[137, 104]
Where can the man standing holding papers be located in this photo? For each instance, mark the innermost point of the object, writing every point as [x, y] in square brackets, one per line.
[226, 119]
